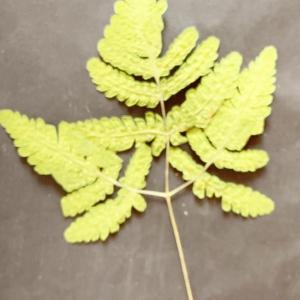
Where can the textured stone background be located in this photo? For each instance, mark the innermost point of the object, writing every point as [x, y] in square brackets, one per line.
[43, 49]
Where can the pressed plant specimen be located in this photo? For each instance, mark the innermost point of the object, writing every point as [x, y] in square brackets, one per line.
[216, 119]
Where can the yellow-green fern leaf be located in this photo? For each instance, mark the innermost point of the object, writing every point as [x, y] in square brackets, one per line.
[204, 101]
[125, 88]
[119, 134]
[79, 170]
[148, 67]
[158, 145]
[138, 167]
[177, 139]
[243, 161]
[84, 198]
[244, 114]
[204, 183]
[198, 64]
[40, 144]
[104, 219]
[209, 186]
[217, 119]
[136, 28]
[236, 198]
[132, 41]
[128, 62]
[180, 48]
[245, 201]
[76, 141]
[184, 163]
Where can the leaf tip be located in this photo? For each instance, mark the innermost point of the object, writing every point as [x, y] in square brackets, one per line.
[163, 6]
[213, 40]
[271, 52]
[236, 57]
[193, 31]
[69, 237]
[5, 113]
[92, 62]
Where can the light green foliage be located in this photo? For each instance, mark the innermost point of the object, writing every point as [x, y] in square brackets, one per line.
[140, 41]
[178, 51]
[115, 83]
[104, 219]
[134, 30]
[244, 114]
[243, 161]
[236, 198]
[216, 119]
[132, 44]
[78, 171]
[119, 134]
[197, 64]
[204, 101]
[84, 198]
[40, 144]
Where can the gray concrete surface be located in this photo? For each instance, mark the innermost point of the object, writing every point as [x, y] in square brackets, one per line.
[43, 49]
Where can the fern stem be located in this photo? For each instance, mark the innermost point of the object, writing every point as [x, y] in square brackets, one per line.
[180, 249]
[175, 227]
[206, 166]
[138, 191]
[142, 132]
[169, 201]
[190, 182]
[167, 167]
[161, 101]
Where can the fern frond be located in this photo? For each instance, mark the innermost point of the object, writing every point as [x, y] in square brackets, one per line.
[135, 28]
[243, 161]
[125, 88]
[77, 165]
[146, 67]
[244, 114]
[138, 167]
[236, 198]
[198, 64]
[83, 199]
[126, 61]
[216, 119]
[132, 41]
[119, 134]
[39, 142]
[203, 102]
[104, 219]
[179, 49]
[245, 201]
